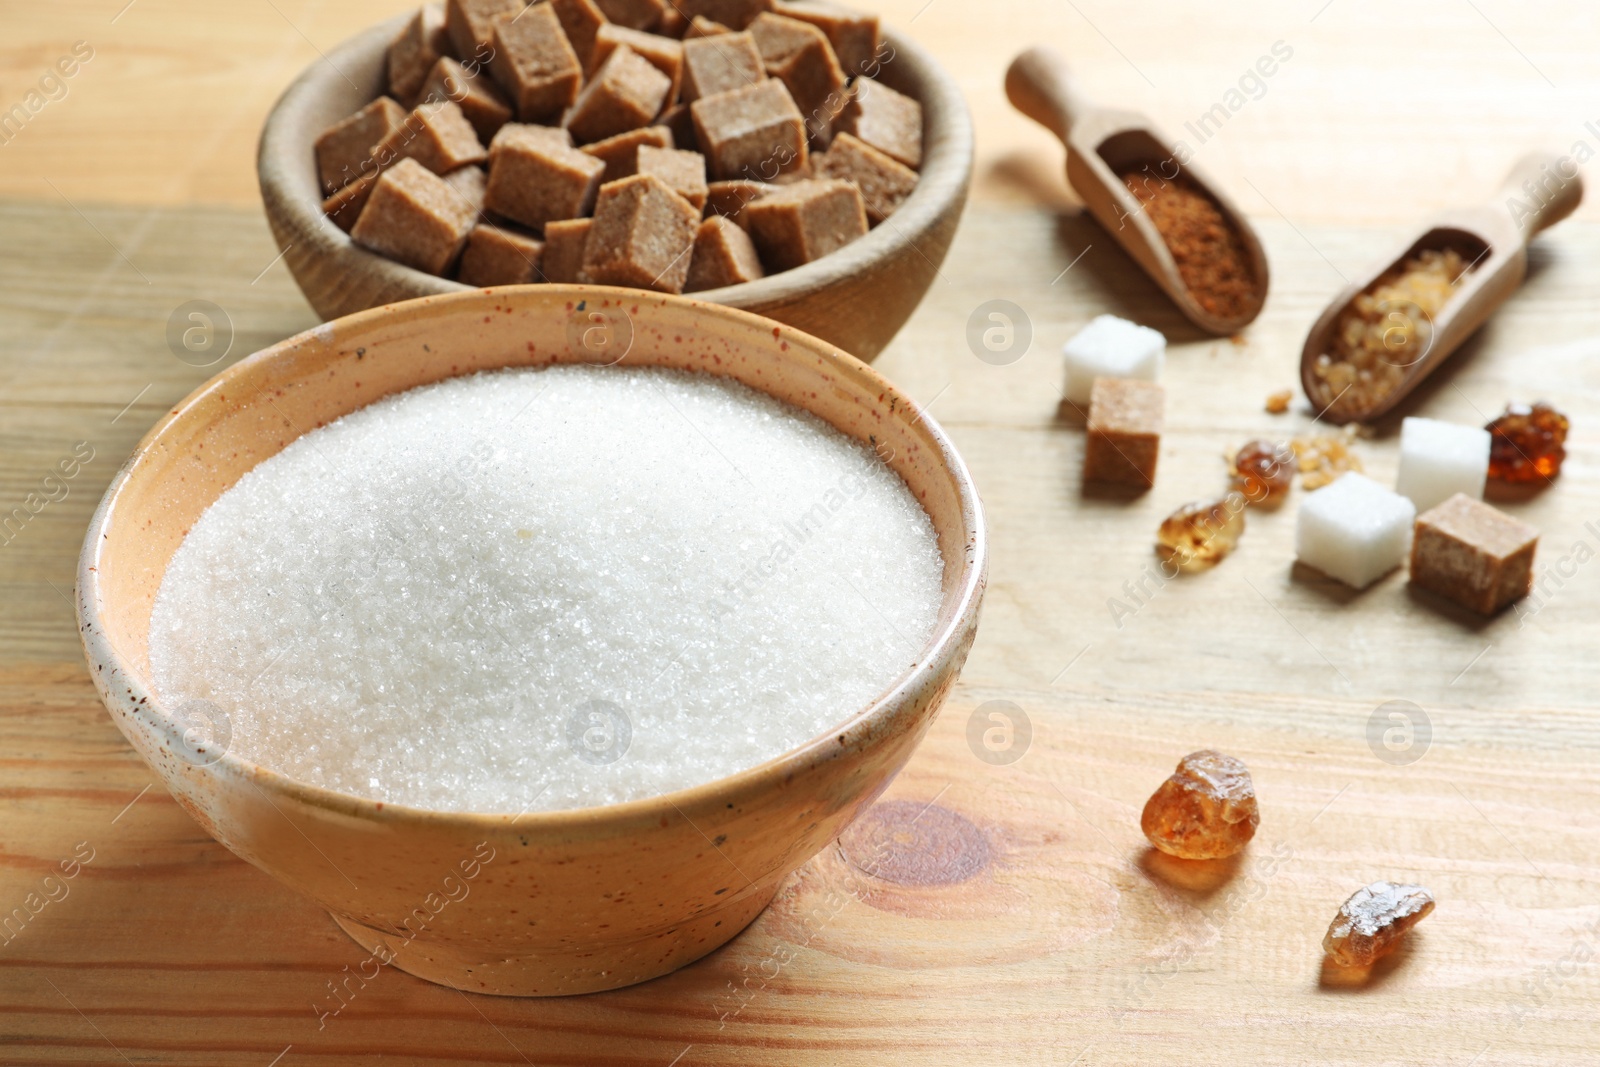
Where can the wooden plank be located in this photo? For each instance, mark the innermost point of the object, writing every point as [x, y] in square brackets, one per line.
[1383, 111]
[1021, 917]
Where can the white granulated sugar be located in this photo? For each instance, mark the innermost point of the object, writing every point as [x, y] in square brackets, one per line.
[542, 589]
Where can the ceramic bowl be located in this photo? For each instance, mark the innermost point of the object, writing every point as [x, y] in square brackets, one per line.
[543, 903]
[857, 297]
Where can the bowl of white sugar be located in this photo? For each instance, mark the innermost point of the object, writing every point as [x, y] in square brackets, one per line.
[538, 634]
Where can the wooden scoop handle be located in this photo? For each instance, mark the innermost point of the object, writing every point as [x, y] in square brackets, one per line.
[1038, 85]
[1541, 190]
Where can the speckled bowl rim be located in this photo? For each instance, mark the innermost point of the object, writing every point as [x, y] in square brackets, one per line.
[958, 607]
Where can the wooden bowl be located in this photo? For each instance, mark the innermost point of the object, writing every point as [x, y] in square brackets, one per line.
[545, 903]
[857, 297]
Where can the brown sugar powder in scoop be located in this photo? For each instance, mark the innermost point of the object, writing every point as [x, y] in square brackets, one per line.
[1210, 255]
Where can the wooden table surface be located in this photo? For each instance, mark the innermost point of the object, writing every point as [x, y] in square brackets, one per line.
[1027, 922]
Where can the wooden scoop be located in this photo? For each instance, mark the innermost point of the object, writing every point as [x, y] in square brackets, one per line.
[1102, 142]
[1493, 238]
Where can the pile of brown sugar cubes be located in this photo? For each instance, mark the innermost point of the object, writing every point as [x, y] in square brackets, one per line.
[676, 146]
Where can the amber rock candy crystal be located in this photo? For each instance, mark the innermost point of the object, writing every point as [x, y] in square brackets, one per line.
[1372, 922]
[1527, 444]
[1205, 811]
[1199, 534]
[1265, 470]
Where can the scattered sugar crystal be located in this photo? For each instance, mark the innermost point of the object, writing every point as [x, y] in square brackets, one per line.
[1322, 458]
[1373, 922]
[1110, 347]
[1527, 443]
[1440, 459]
[1355, 530]
[1206, 810]
[546, 589]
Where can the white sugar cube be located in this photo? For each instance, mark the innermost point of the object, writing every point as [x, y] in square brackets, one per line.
[1110, 347]
[1354, 530]
[1440, 459]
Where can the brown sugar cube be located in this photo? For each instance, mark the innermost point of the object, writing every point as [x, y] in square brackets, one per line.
[1473, 554]
[799, 55]
[413, 217]
[528, 132]
[437, 135]
[798, 223]
[723, 255]
[683, 172]
[625, 93]
[580, 21]
[680, 123]
[415, 51]
[755, 132]
[535, 178]
[344, 206]
[734, 14]
[673, 24]
[535, 64]
[728, 199]
[471, 24]
[700, 26]
[1124, 432]
[663, 53]
[642, 236]
[884, 183]
[496, 256]
[479, 98]
[621, 153]
[344, 150]
[718, 63]
[634, 14]
[804, 172]
[888, 121]
[564, 242]
[853, 34]
[471, 184]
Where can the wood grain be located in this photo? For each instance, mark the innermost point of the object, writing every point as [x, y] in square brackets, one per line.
[1066, 941]
[1385, 113]
[1022, 919]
